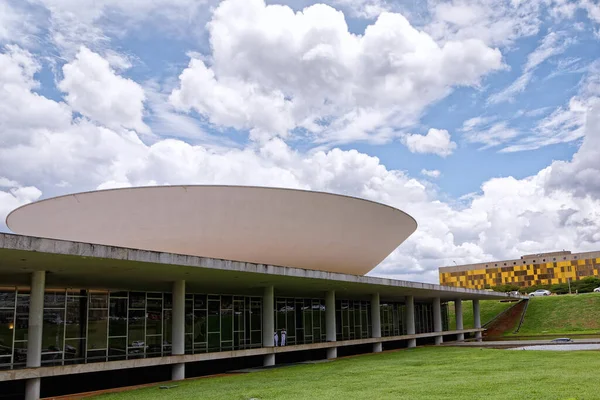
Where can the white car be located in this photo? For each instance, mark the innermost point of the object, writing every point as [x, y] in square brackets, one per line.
[597, 289]
[540, 292]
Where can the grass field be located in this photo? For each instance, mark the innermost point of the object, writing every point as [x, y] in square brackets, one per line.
[422, 373]
[564, 314]
[488, 310]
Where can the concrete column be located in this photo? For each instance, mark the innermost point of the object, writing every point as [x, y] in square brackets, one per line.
[437, 319]
[410, 320]
[178, 329]
[268, 323]
[376, 321]
[34, 332]
[330, 322]
[477, 319]
[459, 319]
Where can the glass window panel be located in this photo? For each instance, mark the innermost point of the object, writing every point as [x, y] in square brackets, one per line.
[189, 316]
[154, 317]
[96, 355]
[98, 300]
[75, 315]
[51, 359]
[7, 325]
[54, 299]
[137, 300]
[22, 317]
[117, 348]
[200, 301]
[214, 317]
[118, 294]
[255, 315]
[118, 317]
[226, 325]
[20, 352]
[154, 344]
[226, 302]
[7, 298]
[200, 326]
[97, 329]
[136, 332]
[200, 347]
[167, 301]
[53, 330]
[167, 328]
[256, 337]
[74, 350]
[189, 344]
[154, 295]
[214, 342]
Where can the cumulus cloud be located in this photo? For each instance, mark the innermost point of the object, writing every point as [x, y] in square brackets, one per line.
[273, 70]
[436, 141]
[71, 147]
[94, 89]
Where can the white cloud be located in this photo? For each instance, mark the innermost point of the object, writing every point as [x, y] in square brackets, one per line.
[436, 141]
[15, 196]
[566, 123]
[474, 122]
[93, 89]
[496, 22]
[431, 173]
[552, 44]
[16, 25]
[491, 136]
[91, 23]
[554, 209]
[273, 70]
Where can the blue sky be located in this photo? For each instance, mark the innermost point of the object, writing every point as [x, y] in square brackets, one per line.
[453, 111]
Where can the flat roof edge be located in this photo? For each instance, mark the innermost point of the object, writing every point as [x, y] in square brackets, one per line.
[63, 247]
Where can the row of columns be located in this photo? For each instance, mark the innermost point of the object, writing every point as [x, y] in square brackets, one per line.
[36, 320]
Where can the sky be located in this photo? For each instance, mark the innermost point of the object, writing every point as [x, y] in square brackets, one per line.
[480, 118]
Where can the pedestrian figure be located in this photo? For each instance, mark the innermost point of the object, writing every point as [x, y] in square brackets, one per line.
[283, 335]
[275, 339]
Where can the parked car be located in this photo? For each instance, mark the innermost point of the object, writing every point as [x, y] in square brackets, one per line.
[514, 293]
[597, 289]
[540, 292]
[562, 340]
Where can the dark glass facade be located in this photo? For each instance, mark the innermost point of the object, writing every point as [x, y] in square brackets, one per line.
[303, 320]
[83, 326]
[393, 318]
[353, 319]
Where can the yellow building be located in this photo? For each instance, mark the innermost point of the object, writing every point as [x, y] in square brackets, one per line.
[529, 270]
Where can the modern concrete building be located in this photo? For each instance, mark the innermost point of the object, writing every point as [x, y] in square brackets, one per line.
[529, 270]
[148, 284]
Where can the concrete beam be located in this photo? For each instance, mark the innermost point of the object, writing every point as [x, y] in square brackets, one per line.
[410, 320]
[198, 264]
[42, 372]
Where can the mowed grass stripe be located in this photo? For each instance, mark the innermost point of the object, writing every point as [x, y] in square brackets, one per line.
[423, 373]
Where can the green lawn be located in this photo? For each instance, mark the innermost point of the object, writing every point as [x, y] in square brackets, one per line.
[422, 373]
[488, 310]
[564, 314]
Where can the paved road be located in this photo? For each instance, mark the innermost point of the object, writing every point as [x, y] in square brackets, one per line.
[520, 343]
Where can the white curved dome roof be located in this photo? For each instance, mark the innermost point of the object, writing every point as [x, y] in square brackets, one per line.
[285, 227]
